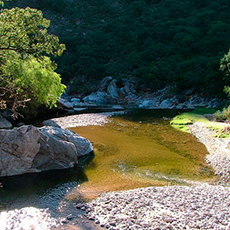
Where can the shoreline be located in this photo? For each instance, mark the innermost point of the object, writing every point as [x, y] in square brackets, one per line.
[85, 119]
[219, 155]
[170, 207]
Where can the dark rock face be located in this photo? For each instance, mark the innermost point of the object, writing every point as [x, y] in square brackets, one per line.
[29, 149]
[111, 91]
[5, 124]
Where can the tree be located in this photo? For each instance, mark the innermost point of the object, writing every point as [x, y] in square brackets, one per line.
[2, 2]
[225, 69]
[26, 70]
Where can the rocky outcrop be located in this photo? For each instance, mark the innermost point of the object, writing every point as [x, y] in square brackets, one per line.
[29, 149]
[99, 98]
[164, 99]
[111, 91]
[81, 144]
[5, 124]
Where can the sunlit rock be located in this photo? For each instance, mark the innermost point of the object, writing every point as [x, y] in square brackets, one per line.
[29, 149]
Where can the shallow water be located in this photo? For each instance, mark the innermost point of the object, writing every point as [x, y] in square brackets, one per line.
[141, 149]
[135, 150]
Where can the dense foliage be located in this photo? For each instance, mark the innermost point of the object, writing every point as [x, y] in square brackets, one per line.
[163, 42]
[26, 71]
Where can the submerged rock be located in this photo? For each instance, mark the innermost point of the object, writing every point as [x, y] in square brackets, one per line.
[29, 149]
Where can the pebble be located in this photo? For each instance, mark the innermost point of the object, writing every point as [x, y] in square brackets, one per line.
[219, 155]
[196, 203]
[84, 119]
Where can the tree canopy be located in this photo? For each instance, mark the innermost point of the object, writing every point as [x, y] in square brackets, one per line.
[177, 42]
[26, 70]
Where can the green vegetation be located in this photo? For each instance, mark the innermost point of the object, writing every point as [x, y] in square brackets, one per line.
[181, 121]
[222, 115]
[220, 131]
[161, 42]
[26, 70]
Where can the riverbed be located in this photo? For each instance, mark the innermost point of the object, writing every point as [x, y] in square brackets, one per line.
[141, 149]
[138, 149]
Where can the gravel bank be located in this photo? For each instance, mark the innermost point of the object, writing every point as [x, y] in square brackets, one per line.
[83, 119]
[175, 207]
[27, 218]
[219, 155]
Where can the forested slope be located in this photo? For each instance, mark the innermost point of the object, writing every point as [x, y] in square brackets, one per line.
[160, 41]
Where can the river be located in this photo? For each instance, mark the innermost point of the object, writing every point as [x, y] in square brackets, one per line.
[138, 149]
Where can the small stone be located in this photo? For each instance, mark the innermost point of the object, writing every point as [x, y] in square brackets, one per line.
[79, 206]
[70, 217]
[65, 221]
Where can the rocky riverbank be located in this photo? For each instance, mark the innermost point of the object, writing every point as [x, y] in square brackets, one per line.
[124, 92]
[171, 207]
[176, 207]
[81, 119]
[219, 154]
[27, 218]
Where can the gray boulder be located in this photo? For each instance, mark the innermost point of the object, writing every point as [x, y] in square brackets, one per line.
[165, 104]
[5, 124]
[51, 123]
[104, 83]
[64, 104]
[82, 145]
[29, 149]
[97, 98]
[113, 90]
[18, 148]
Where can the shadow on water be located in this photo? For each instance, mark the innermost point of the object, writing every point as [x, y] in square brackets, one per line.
[150, 115]
[42, 190]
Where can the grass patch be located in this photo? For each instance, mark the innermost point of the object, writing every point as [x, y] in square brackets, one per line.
[181, 121]
[220, 131]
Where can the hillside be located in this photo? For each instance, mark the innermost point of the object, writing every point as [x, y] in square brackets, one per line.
[160, 41]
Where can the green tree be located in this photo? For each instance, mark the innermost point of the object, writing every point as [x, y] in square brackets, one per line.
[26, 70]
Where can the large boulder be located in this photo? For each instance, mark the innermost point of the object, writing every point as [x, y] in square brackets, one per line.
[113, 90]
[29, 149]
[64, 104]
[82, 145]
[97, 98]
[5, 124]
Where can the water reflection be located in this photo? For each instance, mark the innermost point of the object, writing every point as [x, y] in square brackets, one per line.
[43, 190]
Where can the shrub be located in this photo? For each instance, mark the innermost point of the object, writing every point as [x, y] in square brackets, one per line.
[222, 115]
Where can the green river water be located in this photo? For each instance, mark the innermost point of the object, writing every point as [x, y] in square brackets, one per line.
[138, 149]
[141, 149]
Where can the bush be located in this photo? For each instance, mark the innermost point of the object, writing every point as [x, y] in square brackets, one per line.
[218, 116]
[222, 115]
